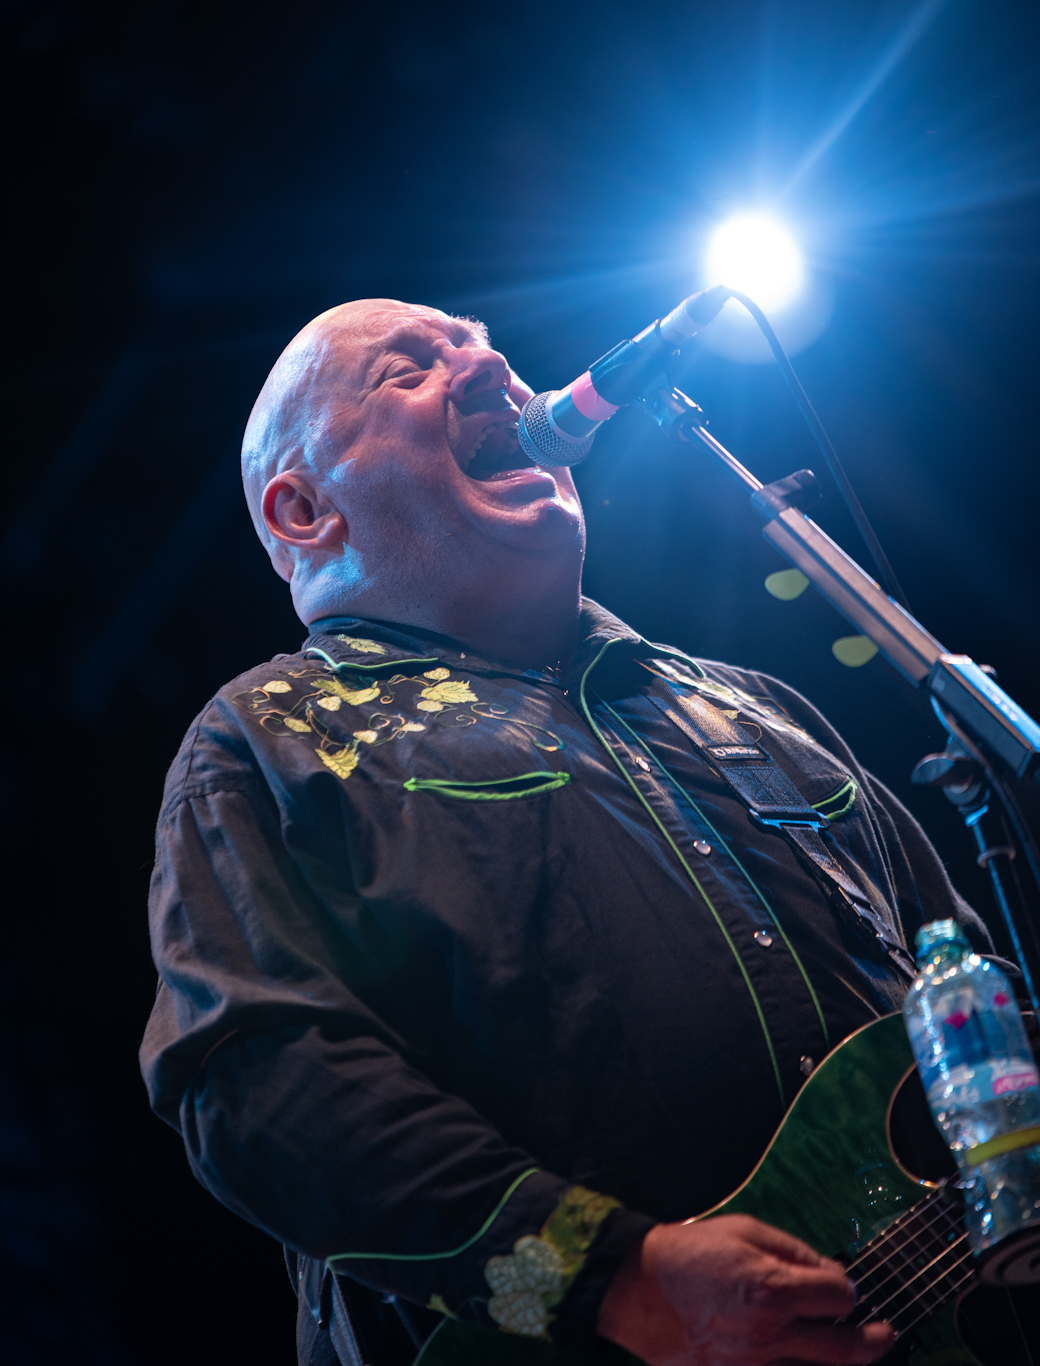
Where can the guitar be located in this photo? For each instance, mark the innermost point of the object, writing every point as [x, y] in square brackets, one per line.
[831, 1177]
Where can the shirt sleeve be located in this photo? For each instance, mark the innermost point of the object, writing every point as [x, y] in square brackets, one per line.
[299, 1108]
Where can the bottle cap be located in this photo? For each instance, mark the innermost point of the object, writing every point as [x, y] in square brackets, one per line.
[937, 933]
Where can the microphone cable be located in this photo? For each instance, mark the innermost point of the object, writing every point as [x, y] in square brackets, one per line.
[885, 571]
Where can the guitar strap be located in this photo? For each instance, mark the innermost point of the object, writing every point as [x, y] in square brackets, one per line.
[773, 801]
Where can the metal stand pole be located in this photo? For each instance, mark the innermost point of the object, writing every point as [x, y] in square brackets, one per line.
[994, 748]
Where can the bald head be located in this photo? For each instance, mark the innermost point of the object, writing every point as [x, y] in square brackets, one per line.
[301, 419]
[384, 475]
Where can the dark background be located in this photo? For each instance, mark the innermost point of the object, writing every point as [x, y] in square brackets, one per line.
[190, 184]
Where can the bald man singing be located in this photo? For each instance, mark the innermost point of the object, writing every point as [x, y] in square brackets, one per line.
[477, 982]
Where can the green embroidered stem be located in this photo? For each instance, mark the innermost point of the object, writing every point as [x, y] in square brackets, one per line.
[840, 802]
[433, 1256]
[384, 664]
[666, 650]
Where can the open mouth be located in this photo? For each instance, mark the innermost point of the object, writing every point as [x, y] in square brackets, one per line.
[496, 453]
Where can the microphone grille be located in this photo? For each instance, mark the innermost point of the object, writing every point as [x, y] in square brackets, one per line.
[541, 442]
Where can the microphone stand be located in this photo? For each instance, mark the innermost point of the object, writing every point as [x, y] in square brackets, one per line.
[991, 764]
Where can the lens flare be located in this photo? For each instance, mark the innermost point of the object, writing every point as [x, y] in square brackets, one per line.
[757, 256]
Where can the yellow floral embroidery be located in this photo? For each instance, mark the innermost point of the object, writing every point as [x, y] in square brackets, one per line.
[363, 647]
[355, 696]
[343, 763]
[455, 691]
[531, 1282]
[445, 701]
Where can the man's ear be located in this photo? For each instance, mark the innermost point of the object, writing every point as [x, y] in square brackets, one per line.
[301, 516]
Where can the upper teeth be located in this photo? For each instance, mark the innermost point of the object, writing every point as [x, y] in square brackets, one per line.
[491, 427]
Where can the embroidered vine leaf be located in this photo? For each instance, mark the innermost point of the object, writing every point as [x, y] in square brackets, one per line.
[455, 690]
[294, 724]
[332, 703]
[574, 1223]
[437, 674]
[430, 706]
[277, 685]
[342, 763]
[520, 1311]
[369, 737]
[524, 1286]
[413, 726]
[363, 647]
[709, 686]
[355, 696]
[533, 1280]
[534, 1265]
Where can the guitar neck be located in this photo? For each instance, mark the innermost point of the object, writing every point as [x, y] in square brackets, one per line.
[914, 1266]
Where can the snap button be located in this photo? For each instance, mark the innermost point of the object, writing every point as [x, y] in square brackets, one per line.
[805, 1065]
[763, 938]
[702, 847]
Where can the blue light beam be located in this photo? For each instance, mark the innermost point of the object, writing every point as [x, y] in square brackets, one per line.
[914, 28]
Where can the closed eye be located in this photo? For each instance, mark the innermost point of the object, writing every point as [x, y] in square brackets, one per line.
[404, 369]
[410, 365]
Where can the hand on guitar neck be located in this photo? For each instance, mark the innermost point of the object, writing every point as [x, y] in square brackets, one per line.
[734, 1290]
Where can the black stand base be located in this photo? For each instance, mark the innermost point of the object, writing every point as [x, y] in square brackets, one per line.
[1013, 1261]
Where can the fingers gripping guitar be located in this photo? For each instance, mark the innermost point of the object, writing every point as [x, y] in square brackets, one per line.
[732, 1291]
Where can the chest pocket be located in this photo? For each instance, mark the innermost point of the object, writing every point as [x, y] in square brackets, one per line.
[491, 789]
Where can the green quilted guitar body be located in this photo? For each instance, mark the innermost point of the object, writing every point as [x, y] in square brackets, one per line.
[830, 1178]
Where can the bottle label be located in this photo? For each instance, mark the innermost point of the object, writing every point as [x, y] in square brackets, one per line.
[974, 1083]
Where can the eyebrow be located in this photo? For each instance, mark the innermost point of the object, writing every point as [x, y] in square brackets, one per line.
[410, 335]
[415, 333]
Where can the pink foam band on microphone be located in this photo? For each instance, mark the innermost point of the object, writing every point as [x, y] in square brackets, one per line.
[588, 402]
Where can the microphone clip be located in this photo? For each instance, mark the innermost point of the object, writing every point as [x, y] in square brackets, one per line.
[800, 490]
[674, 412]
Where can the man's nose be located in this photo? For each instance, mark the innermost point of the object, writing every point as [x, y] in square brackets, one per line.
[478, 373]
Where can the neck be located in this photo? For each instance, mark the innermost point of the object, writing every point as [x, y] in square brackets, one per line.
[525, 619]
[524, 634]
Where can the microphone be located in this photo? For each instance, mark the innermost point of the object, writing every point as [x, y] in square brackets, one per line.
[558, 427]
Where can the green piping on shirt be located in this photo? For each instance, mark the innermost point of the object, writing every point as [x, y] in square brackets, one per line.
[840, 802]
[362, 668]
[750, 880]
[667, 650]
[492, 789]
[433, 1256]
[686, 868]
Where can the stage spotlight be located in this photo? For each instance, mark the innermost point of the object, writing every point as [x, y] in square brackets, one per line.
[756, 255]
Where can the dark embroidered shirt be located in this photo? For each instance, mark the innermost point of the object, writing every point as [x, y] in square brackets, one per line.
[440, 941]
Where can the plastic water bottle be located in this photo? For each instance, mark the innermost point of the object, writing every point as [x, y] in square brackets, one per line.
[980, 1079]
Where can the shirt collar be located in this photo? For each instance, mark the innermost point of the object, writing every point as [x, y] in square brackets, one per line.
[370, 645]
